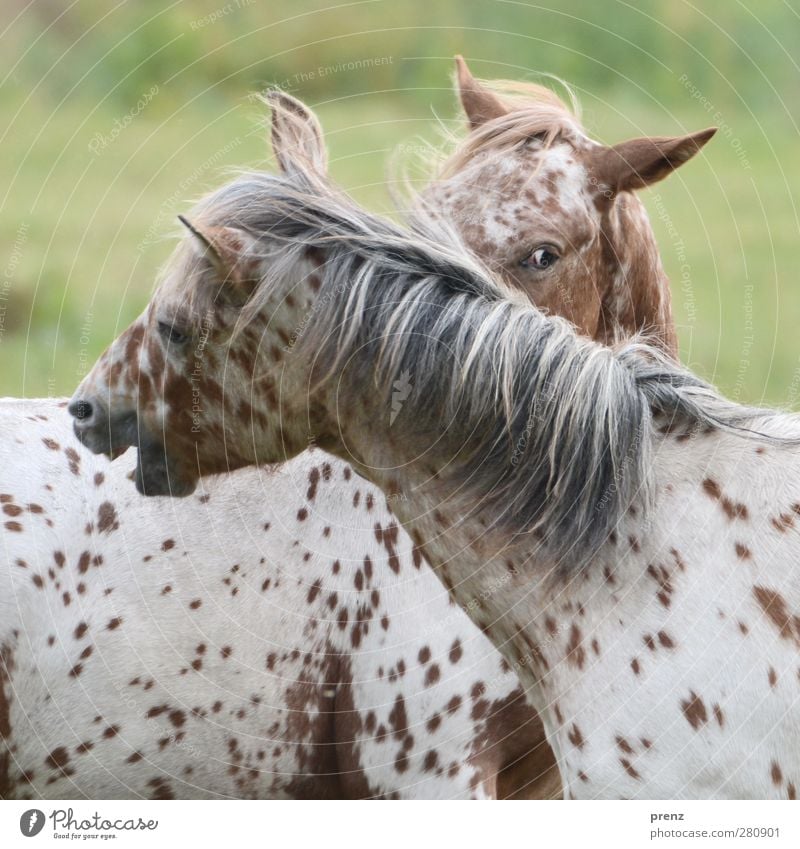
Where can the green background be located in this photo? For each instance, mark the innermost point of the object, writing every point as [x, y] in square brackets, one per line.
[84, 227]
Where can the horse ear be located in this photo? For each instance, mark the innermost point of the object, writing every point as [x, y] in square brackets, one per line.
[637, 163]
[480, 104]
[296, 135]
[229, 250]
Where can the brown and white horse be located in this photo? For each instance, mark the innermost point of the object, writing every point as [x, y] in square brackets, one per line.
[554, 213]
[624, 536]
[50, 724]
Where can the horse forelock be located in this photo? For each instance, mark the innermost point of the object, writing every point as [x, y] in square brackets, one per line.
[533, 112]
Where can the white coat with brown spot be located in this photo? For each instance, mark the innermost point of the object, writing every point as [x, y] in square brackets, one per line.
[275, 635]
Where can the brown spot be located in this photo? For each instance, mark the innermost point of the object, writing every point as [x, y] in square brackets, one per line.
[161, 788]
[57, 759]
[783, 522]
[694, 710]
[107, 518]
[167, 544]
[665, 640]
[732, 509]
[453, 705]
[314, 590]
[576, 654]
[635, 666]
[624, 745]
[313, 481]
[432, 675]
[629, 768]
[575, 737]
[776, 774]
[73, 459]
[774, 606]
[772, 677]
[177, 717]
[398, 718]
[114, 623]
[743, 552]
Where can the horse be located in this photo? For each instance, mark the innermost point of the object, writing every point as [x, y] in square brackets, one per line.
[554, 212]
[621, 533]
[517, 764]
[160, 650]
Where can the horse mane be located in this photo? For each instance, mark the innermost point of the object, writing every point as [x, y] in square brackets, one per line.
[559, 439]
[534, 111]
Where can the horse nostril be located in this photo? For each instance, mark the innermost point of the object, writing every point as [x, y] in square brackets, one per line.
[81, 410]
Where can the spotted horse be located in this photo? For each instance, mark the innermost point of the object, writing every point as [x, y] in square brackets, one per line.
[181, 673]
[153, 648]
[623, 535]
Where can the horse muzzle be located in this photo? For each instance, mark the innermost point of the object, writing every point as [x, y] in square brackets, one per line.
[101, 431]
[112, 433]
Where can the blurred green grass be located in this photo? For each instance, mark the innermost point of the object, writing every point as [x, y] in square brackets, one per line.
[83, 231]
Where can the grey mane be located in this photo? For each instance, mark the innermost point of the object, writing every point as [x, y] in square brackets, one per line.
[551, 433]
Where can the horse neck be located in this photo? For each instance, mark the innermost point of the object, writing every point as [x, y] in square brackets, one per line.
[485, 573]
[639, 297]
[632, 606]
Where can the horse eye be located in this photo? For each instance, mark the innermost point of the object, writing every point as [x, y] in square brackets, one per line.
[541, 258]
[171, 333]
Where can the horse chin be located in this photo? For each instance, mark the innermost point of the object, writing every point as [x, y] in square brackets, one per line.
[156, 475]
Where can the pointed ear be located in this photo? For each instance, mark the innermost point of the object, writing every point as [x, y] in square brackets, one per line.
[637, 163]
[230, 251]
[480, 104]
[296, 135]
